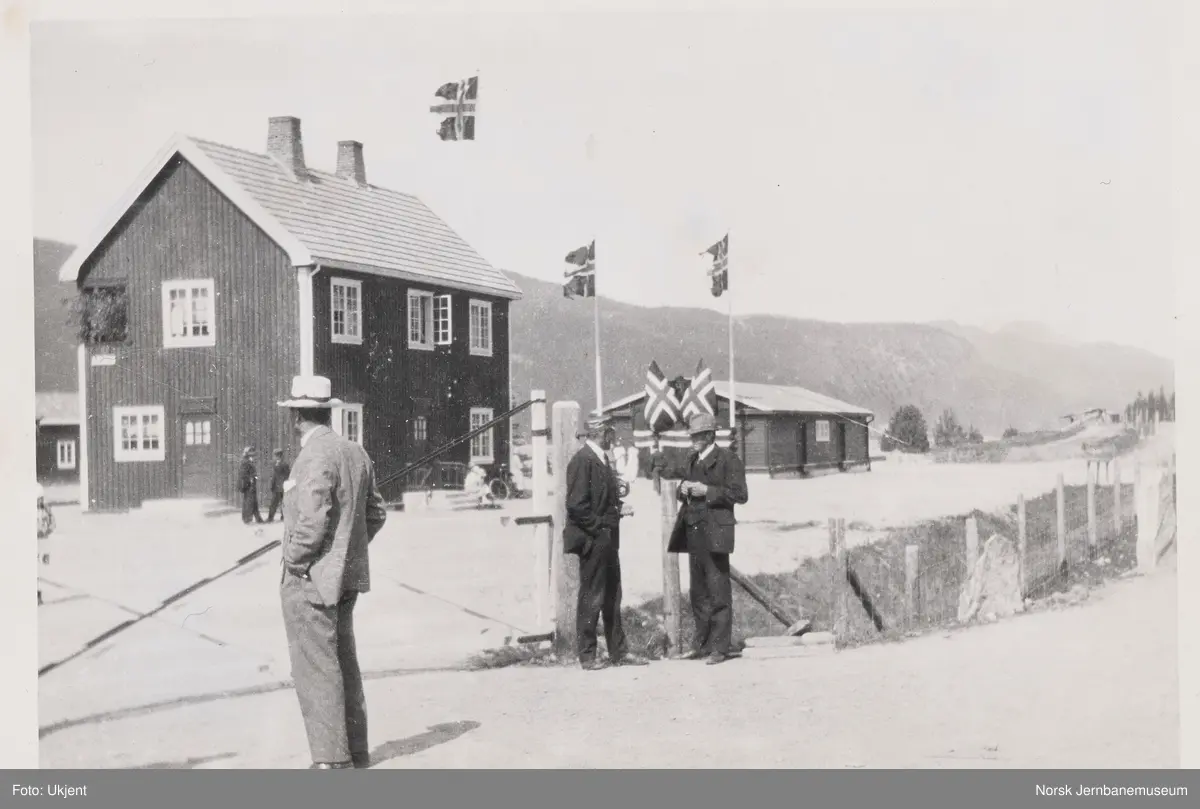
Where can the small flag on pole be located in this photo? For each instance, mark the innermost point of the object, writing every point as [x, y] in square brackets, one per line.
[580, 274]
[461, 97]
[701, 394]
[720, 267]
[662, 408]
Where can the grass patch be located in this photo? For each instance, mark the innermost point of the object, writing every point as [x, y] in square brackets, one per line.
[997, 451]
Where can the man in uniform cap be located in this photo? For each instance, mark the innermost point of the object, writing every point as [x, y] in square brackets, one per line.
[331, 510]
[714, 482]
[593, 532]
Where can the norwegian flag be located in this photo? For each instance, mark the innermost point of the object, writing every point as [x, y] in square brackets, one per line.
[462, 97]
[662, 408]
[701, 394]
[720, 266]
[580, 275]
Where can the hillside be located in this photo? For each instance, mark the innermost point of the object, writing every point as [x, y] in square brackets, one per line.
[53, 341]
[1022, 377]
[991, 379]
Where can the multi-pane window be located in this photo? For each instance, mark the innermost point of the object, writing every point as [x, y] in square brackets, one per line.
[346, 308]
[822, 430]
[481, 328]
[420, 428]
[138, 433]
[188, 312]
[66, 454]
[482, 447]
[348, 422]
[429, 320]
[197, 433]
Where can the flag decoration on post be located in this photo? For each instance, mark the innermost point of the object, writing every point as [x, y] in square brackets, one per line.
[461, 98]
[700, 395]
[720, 267]
[580, 274]
[662, 408]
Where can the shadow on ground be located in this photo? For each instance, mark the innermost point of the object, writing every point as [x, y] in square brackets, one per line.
[187, 764]
[435, 735]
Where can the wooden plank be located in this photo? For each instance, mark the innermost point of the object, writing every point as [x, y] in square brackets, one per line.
[565, 566]
[755, 592]
[839, 593]
[541, 519]
[670, 567]
[784, 652]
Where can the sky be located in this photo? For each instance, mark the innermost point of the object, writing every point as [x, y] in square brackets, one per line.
[982, 167]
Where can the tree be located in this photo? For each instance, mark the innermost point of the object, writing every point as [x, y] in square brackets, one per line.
[974, 436]
[1011, 432]
[948, 432]
[907, 430]
[1171, 406]
[100, 315]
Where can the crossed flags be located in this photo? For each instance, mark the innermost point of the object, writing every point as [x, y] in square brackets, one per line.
[461, 97]
[664, 409]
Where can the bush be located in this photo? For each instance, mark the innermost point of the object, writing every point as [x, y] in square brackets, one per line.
[1011, 432]
[907, 430]
[100, 315]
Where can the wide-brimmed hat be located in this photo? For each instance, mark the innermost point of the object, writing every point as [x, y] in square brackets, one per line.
[311, 392]
[702, 423]
[599, 421]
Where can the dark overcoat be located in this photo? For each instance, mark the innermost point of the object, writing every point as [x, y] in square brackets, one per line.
[725, 477]
[593, 503]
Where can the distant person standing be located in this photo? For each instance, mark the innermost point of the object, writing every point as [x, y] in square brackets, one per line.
[278, 477]
[714, 481]
[248, 486]
[332, 510]
[593, 532]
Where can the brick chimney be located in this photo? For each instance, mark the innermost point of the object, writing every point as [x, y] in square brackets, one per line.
[284, 144]
[350, 164]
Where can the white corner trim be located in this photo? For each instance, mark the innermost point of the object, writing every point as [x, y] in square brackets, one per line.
[306, 330]
[85, 497]
[182, 145]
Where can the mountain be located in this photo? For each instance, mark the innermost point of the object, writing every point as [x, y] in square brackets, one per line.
[1022, 375]
[1018, 377]
[52, 340]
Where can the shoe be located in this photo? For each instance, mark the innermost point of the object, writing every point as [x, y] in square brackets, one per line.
[335, 765]
[630, 660]
[694, 654]
[592, 665]
[715, 659]
[362, 762]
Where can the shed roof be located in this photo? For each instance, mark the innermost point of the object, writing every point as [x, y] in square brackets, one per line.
[768, 399]
[57, 408]
[323, 219]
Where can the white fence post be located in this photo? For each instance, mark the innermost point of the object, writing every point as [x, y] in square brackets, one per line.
[542, 532]
[1146, 501]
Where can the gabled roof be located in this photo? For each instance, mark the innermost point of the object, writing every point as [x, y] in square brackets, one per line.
[325, 219]
[768, 399]
[56, 409]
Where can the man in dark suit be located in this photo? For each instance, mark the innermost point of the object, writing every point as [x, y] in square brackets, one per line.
[332, 509]
[593, 532]
[713, 483]
[248, 486]
[280, 475]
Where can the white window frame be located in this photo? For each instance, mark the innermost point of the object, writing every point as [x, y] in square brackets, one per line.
[442, 336]
[350, 337]
[339, 420]
[485, 415]
[419, 300]
[189, 285]
[65, 453]
[420, 428]
[822, 430]
[480, 347]
[122, 455]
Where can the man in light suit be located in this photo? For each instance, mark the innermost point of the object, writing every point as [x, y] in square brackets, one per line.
[593, 532]
[331, 510]
[714, 482]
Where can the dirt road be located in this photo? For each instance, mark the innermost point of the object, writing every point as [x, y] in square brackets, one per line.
[1092, 686]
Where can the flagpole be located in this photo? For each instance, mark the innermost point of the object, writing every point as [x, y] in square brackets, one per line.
[596, 329]
[732, 386]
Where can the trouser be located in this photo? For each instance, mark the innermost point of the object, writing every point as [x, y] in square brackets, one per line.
[250, 507]
[712, 598]
[276, 505]
[600, 596]
[325, 672]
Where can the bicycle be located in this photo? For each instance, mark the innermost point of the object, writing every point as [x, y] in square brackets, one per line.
[502, 485]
